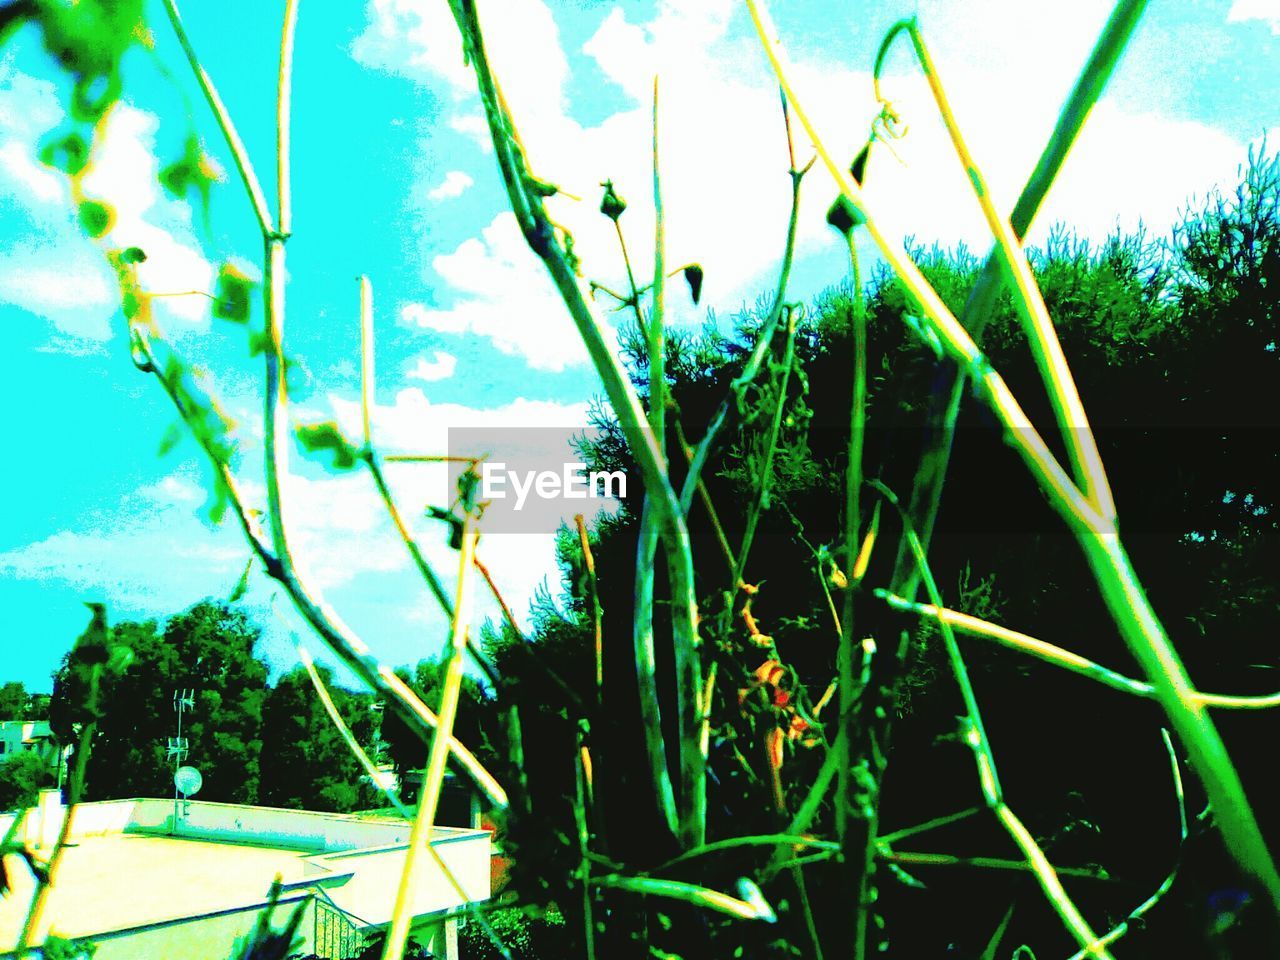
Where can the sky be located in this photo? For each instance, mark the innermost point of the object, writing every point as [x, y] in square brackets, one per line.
[394, 177]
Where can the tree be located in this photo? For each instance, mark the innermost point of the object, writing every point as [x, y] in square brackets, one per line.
[22, 776]
[1167, 339]
[17, 704]
[208, 648]
[305, 763]
[13, 701]
[475, 725]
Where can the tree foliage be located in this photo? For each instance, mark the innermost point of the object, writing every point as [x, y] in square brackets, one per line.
[22, 776]
[1169, 340]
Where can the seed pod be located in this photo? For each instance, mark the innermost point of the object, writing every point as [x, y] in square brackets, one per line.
[693, 276]
[611, 205]
[858, 169]
[843, 215]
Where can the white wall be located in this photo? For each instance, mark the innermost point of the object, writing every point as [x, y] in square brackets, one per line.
[202, 938]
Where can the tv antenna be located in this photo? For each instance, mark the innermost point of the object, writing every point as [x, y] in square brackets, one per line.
[183, 700]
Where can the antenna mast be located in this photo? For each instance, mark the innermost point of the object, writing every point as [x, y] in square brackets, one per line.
[183, 700]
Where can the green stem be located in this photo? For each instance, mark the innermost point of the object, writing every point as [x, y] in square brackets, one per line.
[944, 404]
[541, 236]
[771, 448]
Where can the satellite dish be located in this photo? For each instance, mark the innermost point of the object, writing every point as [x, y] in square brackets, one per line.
[188, 781]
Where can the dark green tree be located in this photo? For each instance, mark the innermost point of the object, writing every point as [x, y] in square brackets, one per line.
[1169, 341]
[22, 776]
[14, 701]
[209, 649]
[305, 763]
[474, 726]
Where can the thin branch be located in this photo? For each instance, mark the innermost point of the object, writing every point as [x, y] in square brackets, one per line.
[1167, 884]
[597, 613]
[1052, 362]
[976, 737]
[284, 117]
[433, 781]
[944, 404]
[238, 152]
[1121, 590]
[753, 909]
[541, 235]
[919, 859]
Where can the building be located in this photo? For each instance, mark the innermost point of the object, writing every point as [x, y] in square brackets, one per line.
[168, 880]
[17, 736]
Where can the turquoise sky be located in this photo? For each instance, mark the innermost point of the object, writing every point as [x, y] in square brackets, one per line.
[392, 178]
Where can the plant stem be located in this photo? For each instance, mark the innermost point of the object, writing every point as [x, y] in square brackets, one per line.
[1125, 599]
[433, 780]
[944, 404]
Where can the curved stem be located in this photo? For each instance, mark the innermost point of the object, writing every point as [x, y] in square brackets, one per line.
[1052, 362]
[433, 781]
[274, 549]
[1121, 590]
[238, 152]
[541, 235]
[975, 736]
[944, 404]
[284, 116]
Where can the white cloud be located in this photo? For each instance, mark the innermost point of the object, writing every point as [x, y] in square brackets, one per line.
[1268, 11]
[52, 269]
[454, 184]
[505, 295]
[441, 367]
[724, 162]
[124, 175]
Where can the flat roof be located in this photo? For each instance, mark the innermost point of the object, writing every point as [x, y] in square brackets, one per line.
[123, 869]
[116, 882]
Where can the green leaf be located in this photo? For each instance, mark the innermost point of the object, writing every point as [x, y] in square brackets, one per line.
[326, 438]
[242, 585]
[194, 171]
[96, 217]
[133, 255]
[68, 154]
[693, 276]
[232, 295]
[169, 439]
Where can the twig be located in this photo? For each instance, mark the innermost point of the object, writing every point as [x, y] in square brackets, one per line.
[1123, 927]
[541, 235]
[1119, 585]
[274, 550]
[976, 737]
[1052, 362]
[597, 616]
[944, 404]
[372, 772]
[1067, 659]
[433, 780]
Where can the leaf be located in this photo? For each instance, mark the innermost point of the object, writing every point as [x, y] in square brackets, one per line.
[133, 255]
[69, 154]
[96, 217]
[231, 299]
[326, 438]
[195, 171]
[242, 585]
[169, 439]
[693, 276]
